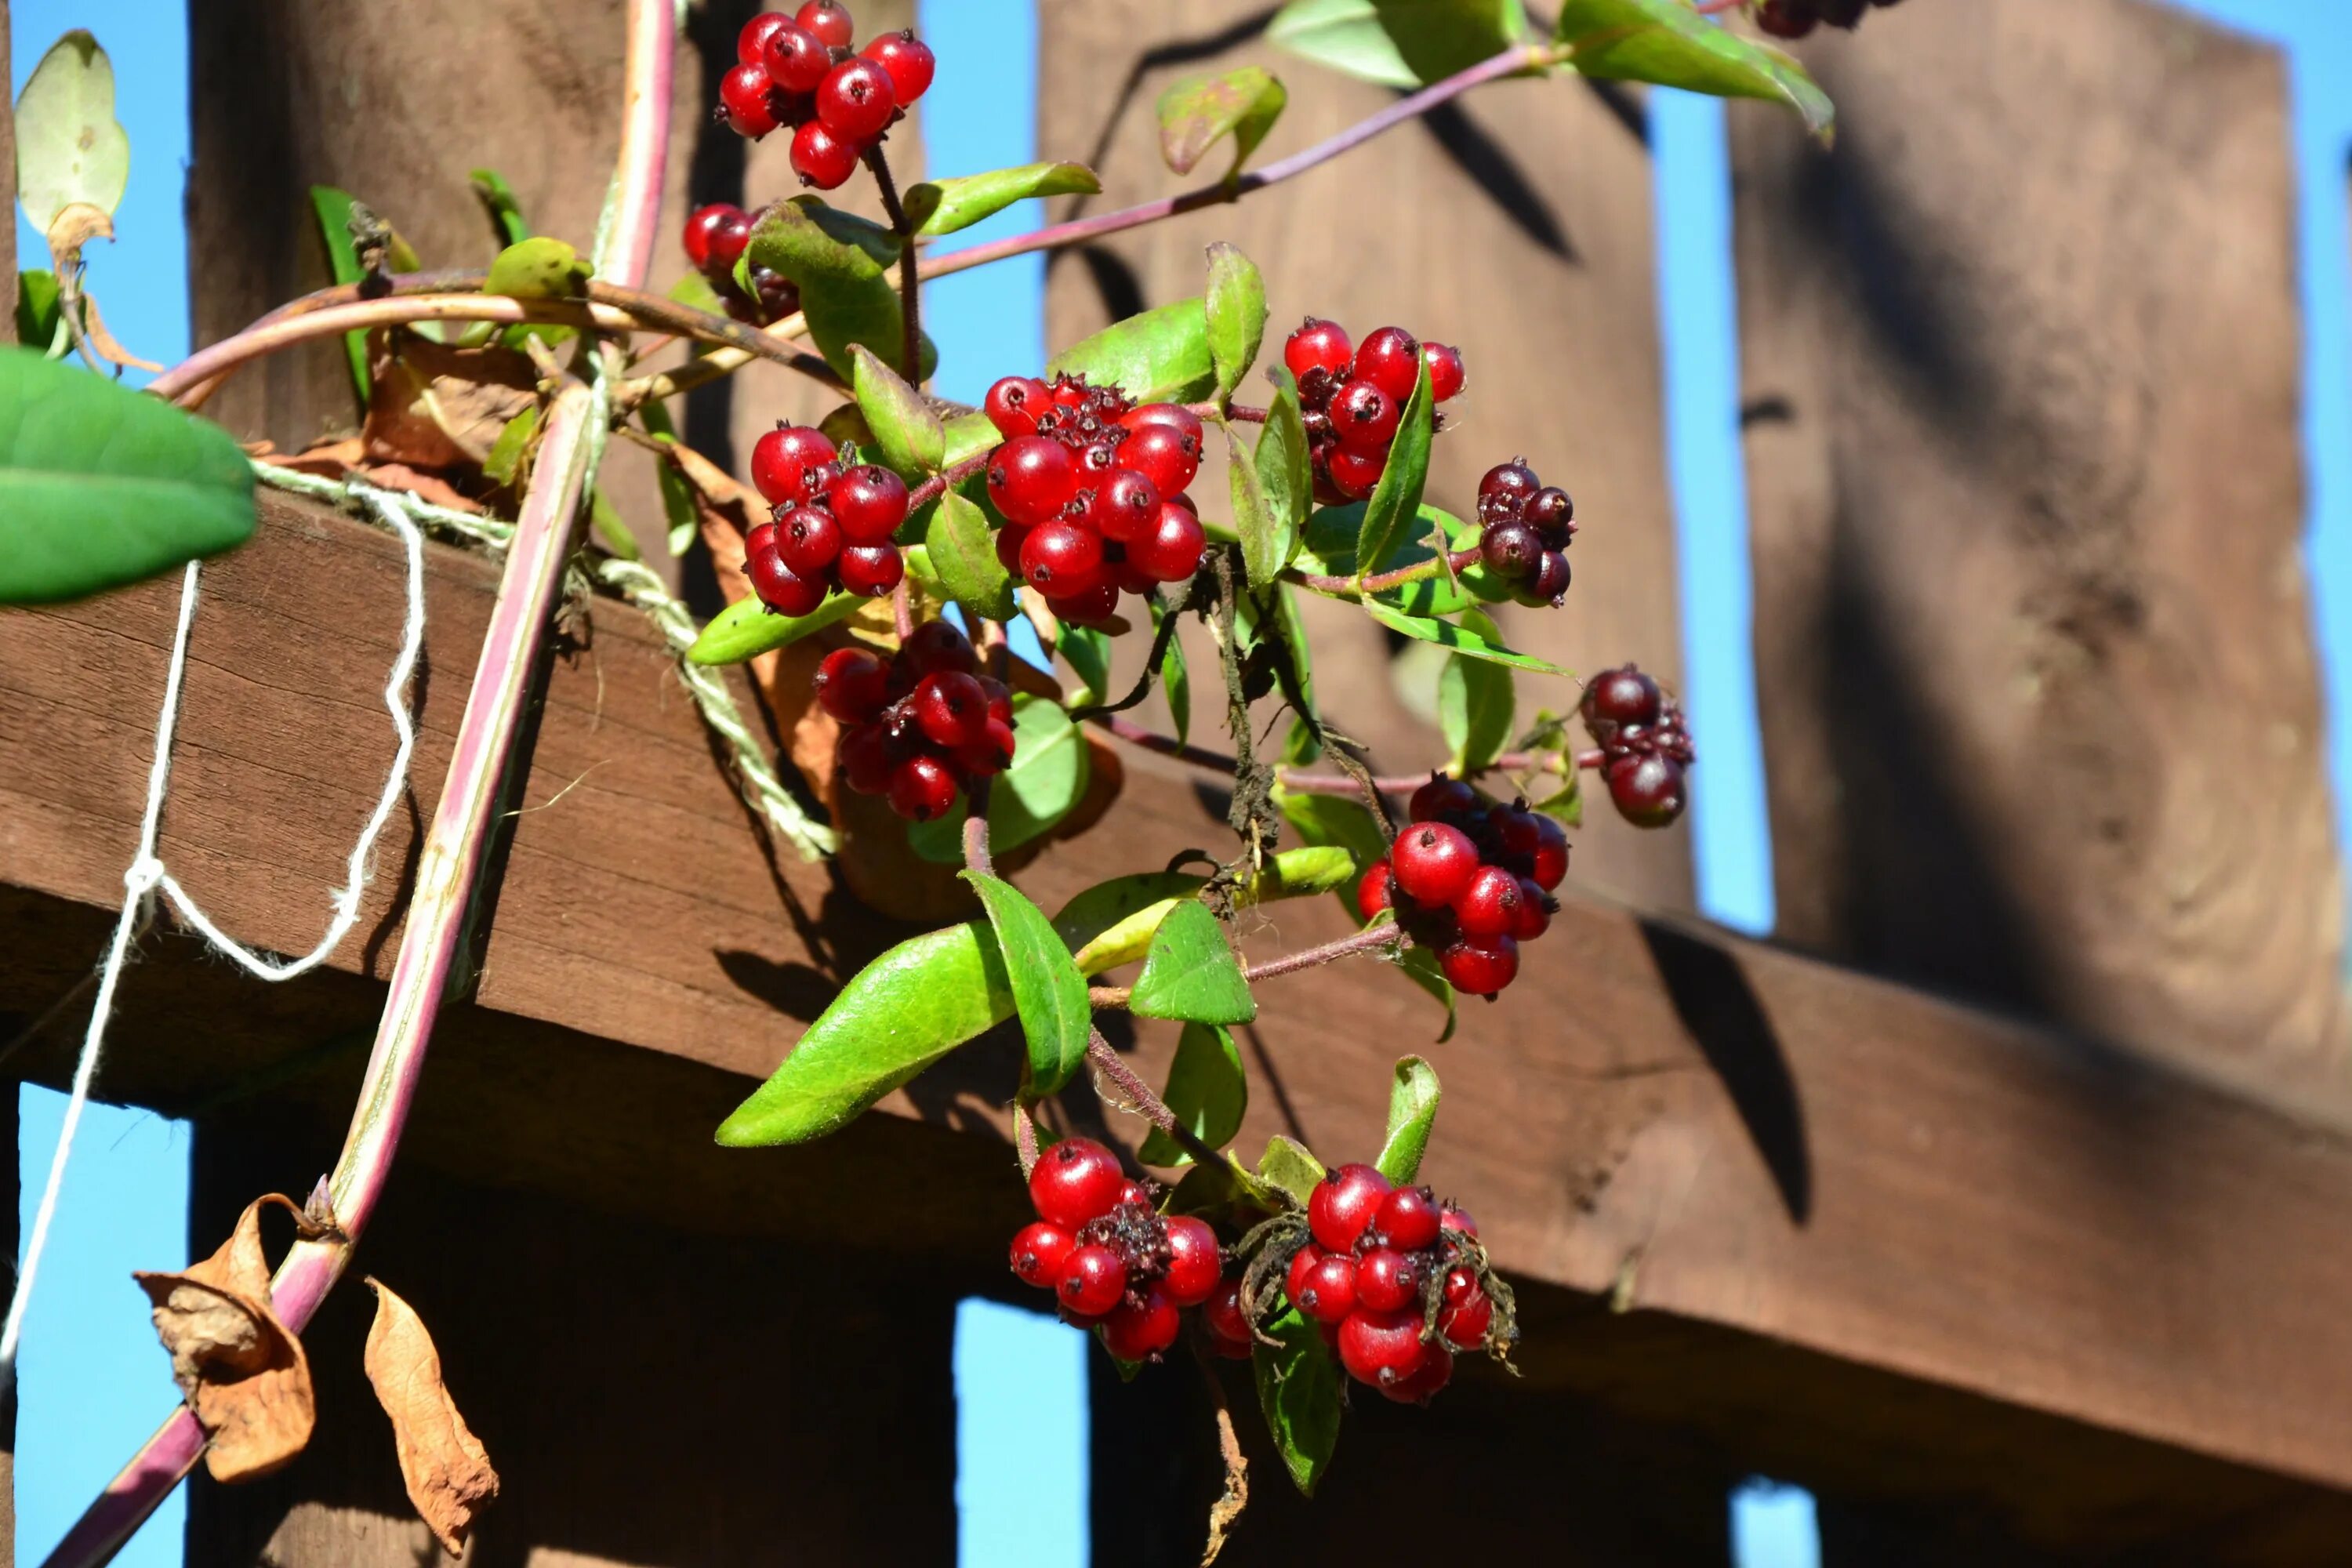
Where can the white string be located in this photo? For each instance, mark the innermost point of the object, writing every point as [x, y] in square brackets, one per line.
[147, 874]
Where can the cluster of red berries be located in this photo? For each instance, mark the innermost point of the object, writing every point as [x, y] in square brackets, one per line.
[1643, 746]
[830, 526]
[1525, 527]
[1092, 490]
[1380, 1255]
[715, 237]
[1795, 18]
[1111, 1260]
[798, 70]
[920, 725]
[1352, 398]
[1469, 881]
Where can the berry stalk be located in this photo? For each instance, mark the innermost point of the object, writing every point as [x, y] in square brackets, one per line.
[910, 290]
[1138, 1094]
[1382, 582]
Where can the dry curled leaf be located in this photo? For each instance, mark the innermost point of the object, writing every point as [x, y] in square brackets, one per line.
[241, 1371]
[435, 406]
[447, 1471]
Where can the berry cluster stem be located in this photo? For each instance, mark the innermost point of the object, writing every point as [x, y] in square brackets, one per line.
[976, 856]
[910, 290]
[1139, 1096]
[1382, 582]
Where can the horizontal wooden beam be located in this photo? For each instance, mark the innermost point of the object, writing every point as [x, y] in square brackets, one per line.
[1861, 1234]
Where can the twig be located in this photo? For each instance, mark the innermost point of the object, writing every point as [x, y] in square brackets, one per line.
[1382, 582]
[910, 290]
[1135, 734]
[1364, 941]
[931, 490]
[902, 610]
[1141, 1099]
[975, 829]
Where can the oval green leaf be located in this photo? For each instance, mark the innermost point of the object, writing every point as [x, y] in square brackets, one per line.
[1284, 474]
[1460, 639]
[1412, 1112]
[747, 628]
[1175, 680]
[1198, 111]
[1475, 703]
[1048, 776]
[963, 555]
[1206, 1091]
[810, 242]
[1048, 992]
[906, 426]
[1161, 355]
[942, 206]
[1669, 43]
[1111, 922]
[1395, 501]
[541, 269]
[1398, 43]
[1266, 542]
[1235, 304]
[1289, 1167]
[70, 147]
[100, 485]
[1190, 972]
[1298, 1393]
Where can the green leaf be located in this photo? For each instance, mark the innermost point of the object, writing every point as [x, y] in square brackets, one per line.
[1283, 470]
[1474, 700]
[1175, 680]
[963, 554]
[1190, 972]
[70, 147]
[906, 427]
[539, 268]
[1328, 549]
[1419, 965]
[1048, 992]
[499, 198]
[810, 242]
[747, 628]
[40, 318]
[1265, 542]
[1412, 1111]
[1161, 355]
[1111, 922]
[1048, 776]
[1460, 639]
[1336, 820]
[504, 458]
[942, 206]
[1395, 501]
[676, 495]
[968, 436]
[1669, 43]
[693, 289]
[611, 529]
[1086, 650]
[842, 316]
[1206, 1091]
[101, 485]
[1200, 111]
[1235, 304]
[334, 209]
[1398, 43]
[1290, 1167]
[1567, 805]
[1298, 1393]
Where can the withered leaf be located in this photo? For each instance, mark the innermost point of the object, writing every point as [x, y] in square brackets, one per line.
[446, 1469]
[241, 1371]
[438, 406]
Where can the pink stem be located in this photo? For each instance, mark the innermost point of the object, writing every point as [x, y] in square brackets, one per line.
[1135, 734]
[1380, 583]
[625, 250]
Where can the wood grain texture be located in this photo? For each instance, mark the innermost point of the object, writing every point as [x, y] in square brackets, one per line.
[1515, 224]
[2034, 640]
[1869, 1236]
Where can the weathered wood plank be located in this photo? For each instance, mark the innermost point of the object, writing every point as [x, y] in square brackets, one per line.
[2034, 640]
[1869, 1236]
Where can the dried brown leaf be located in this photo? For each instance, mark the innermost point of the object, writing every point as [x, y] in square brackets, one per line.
[447, 1471]
[242, 1371]
[435, 407]
[104, 341]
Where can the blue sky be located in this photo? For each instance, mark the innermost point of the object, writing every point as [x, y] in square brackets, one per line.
[93, 1382]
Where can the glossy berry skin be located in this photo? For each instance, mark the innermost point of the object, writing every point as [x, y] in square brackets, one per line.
[1549, 585]
[829, 20]
[1621, 696]
[1317, 345]
[1031, 479]
[1093, 1280]
[1784, 18]
[909, 61]
[1387, 1280]
[1445, 374]
[1535, 910]
[1356, 473]
[1095, 605]
[728, 237]
[1646, 790]
[922, 788]
[1410, 1218]
[867, 759]
[1465, 1324]
[1481, 965]
[1140, 1331]
[780, 588]
[857, 101]
[1373, 890]
[1434, 862]
[1193, 1266]
[795, 60]
[937, 646]
[1380, 1348]
[743, 94]
[1343, 1204]
[1325, 1289]
[1172, 552]
[1175, 416]
[809, 539]
[871, 502]
[1125, 506]
[781, 461]
[1454, 1218]
[1549, 512]
[1442, 799]
[698, 229]
[820, 157]
[1489, 906]
[1504, 489]
[1548, 856]
[1062, 559]
[1014, 403]
[1039, 1250]
[1391, 360]
[1363, 417]
[752, 43]
[992, 754]
[1424, 1381]
[872, 570]
[853, 685]
[1162, 453]
[950, 710]
[1512, 551]
[1222, 1311]
[1075, 1181]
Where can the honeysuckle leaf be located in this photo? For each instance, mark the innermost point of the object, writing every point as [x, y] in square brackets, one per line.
[747, 628]
[1327, 548]
[1264, 541]
[1412, 1112]
[1669, 43]
[538, 268]
[1112, 923]
[1086, 650]
[40, 314]
[1175, 680]
[1198, 111]
[1395, 502]
[907, 428]
[70, 150]
[1283, 462]
[1289, 1167]
[1048, 777]
[841, 264]
[499, 200]
[1161, 355]
[1207, 1091]
[1048, 992]
[1398, 43]
[1475, 703]
[1190, 972]
[1298, 1393]
[963, 555]
[1235, 304]
[334, 209]
[1460, 639]
[943, 206]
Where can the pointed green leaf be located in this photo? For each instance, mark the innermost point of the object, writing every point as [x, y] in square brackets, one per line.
[1337, 820]
[1566, 806]
[1395, 501]
[963, 554]
[1048, 992]
[1412, 1111]
[334, 210]
[1474, 700]
[40, 319]
[70, 150]
[1207, 1091]
[1086, 650]
[1463, 640]
[1298, 1393]
[942, 206]
[101, 485]
[676, 497]
[1235, 304]
[1290, 1167]
[842, 316]
[505, 456]
[1265, 542]
[1048, 776]
[499, 198]
[1398, 43]
[1161, 355]
[810, 242]
[1175, 681]
[693, 289]
[1328, 549]
[1111, 922]
[747, 628]
[1669, 43]
[1283, 463]
[968, 436]
[1198, 111]
[1192, 973]
[906, 427]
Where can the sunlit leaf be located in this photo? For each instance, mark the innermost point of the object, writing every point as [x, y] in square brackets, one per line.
[334, 209]
[1412, 1112]
[906, 427]
[1190, 972]
[747, 628]
[1048, 777]
[1299, 1391]
[963, 555]
[1398, 43]
[1290, 1166]
[70, 150]
[1198, 111]
[499, 200]
[541, 269]
[1048, 992]
[1207, 1091]
[1669, 43]
[1395, 501]
[1475, 700]
[1161, 355]
[943, 206]
[1460, 639]
[1235, 304]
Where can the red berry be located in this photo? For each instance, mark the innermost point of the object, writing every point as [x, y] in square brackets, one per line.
[1453, 1218]
[1443, 799]
[1465, 1323]
[699, 228]
[1512, 551]
[936, 646]
[1222, 1311]
[857, 101]
[809, 539]
[1387, 1280]
[781, 461]
[1356, 473]
[1325, 1289]
[1410, 1218]
[780, 587]
[1317, 345]
[1140, 1331]
[1648, 791]
[867, 759]
[1009, 540]
[1489, 906]
[1096, 604]
[1621, 696]
[872, 570]
[1163, 454]
[1551, 514]
[908, 60]
[1445, 377]
[999, 698]
[1134, 1192]
[1505, 490]
[1784, 18]
[1373, 889]
[729, 238]
[1039, 1250]
[922, 788]
[950, 710]
[1194, 1265]
[853, 685]
[1535, 912]
[1343, 1204]
[820, 156]
[1173, 552]
[829, 20]
[1014, 404]
[796, 60]
[761, 537]
[1062, 559]
[1173, 414]
[871, 502]
[1125, 506]
[1547, 866]
[1481, 965]
[1093, 1280]
[992, 754]
[1380, 1348]
[1075, 1181]
[1031, 479]
[1434, 862]
[751, 44]
[1549, 585]
[1391, 360]
[1420, 1385]
[1364, 417]
[743, 94]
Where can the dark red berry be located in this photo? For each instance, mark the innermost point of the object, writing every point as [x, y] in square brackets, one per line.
[1075, 1181]
[1380, 1348]
[1222, 1311]
[1548, 854]
[1549, 584]
[1423, 1382]
[1454, 1218]
[1097, 603]
[1505, 490]
[1039, 1250]
[780, 587]
[809, 539]
[1512, 551]
[1317, 345]
[1409, 1218]
[1647, 790]
[1342, 1205]
[1138, 1330]
[829, 20]
[1326, 1290]
[751, 44]
[853, 685]
[1391, 360]
[705, 222]
[1550, 513]
[743, 94]
[1618, 697]
[1489, 906]
[1126, 505]
[1363, 417]
[729, 239]
[1194, 1265]
[1134, 1192]
[1784, 18]
[992, 754]
[1302, 1265]
[1445, 377]
[872, 570]
[1481, 965]
[1173, 552]
[922, 788]
[1062, 559]
[1387, 1280]
[1373, 889]
[867, 759]
[1355, 474]
[1535, 912]
[999, 698]
[1031, 479]
[1465, 1322]
[938, 646]
[797, 59]
[871, 502]
[1009, 540]
[781, 461]
[820, 157]
[1094, 1278]
[908, 60]
[855, 100]
[1014, 404]
[950, 710]
[1434, 862]
[1443, 799]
